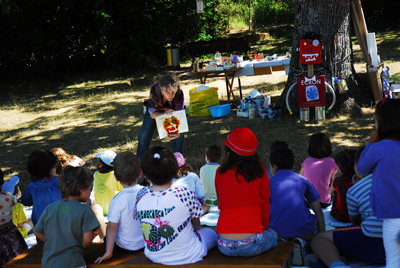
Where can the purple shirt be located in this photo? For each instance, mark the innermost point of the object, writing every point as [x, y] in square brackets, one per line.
[289, 215]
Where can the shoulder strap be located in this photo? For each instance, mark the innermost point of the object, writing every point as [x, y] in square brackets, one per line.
[341, 188]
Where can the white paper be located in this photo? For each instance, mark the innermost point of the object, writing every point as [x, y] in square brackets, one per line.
[172, 124]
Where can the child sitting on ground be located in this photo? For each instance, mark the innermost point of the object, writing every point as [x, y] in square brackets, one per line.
[290, 216]
[19, 218]
[185, 177]
[105, 186]
[361, 241]
[170, 217]
[342, 182]
[275, 145]
[67, 226]
[242, 187]
[123, 232]
[207, 174]
[43, 189]
[11, 241]
[319, 168]
[66, 160]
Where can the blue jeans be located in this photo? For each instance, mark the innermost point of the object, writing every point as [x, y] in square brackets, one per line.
[146, 133]
[261, 244]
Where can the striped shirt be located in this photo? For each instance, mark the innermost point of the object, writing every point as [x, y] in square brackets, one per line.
[358, 204]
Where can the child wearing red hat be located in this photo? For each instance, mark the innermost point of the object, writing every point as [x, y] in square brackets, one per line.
[242, 187]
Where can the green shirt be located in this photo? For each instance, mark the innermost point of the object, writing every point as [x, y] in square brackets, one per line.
[63, 224]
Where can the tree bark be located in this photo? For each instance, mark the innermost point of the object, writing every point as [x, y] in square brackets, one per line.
[331, 20]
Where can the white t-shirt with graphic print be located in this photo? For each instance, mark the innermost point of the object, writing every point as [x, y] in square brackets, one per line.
[165, 219]
[121, 208]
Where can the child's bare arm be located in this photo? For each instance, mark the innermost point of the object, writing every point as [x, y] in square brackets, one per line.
[40, 236]
[87, 239]
[316, 207]
[332, 190]
[196, 223]
[301, 171]
[112, 229]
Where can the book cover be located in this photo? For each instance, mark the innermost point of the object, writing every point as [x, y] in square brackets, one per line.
[172, 124]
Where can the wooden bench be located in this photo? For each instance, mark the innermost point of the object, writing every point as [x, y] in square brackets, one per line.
[200, 48]
[278, 257]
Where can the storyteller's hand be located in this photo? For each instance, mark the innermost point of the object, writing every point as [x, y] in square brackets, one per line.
[169, 112]
[105, 257]
[173, 136]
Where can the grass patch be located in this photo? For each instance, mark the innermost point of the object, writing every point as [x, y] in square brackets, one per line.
[90, 113]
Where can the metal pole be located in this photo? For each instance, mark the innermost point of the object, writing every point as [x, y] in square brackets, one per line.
[249, 15]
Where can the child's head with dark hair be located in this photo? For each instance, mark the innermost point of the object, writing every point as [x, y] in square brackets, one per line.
[1, 178]
[127, 168]
[282, 157]
[240, 153]
[319, 146]
[74, 179]
[345, 162]
[356, 158]
[213, 153]
[358, 153]
[159, 165]
[42, 164]
[184, 167]
[103, 167]
[278, 144]
[387, 122]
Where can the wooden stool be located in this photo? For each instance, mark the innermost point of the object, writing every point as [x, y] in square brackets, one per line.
[278, 257]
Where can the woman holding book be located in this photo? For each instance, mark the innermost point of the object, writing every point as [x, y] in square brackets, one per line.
[166, 97]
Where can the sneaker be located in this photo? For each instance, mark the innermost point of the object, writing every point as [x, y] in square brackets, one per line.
[298, 252]
[312, 261]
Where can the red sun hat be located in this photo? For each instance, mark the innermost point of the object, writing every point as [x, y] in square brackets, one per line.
[242, 141]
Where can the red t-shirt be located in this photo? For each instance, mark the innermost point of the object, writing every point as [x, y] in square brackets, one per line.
[341, 204]
[244, 206]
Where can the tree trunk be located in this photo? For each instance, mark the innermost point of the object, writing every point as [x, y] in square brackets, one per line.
[330, 19]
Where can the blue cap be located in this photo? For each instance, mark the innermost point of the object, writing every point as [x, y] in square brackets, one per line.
[9, 186]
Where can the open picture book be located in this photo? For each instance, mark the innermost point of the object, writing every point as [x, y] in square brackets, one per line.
[172, 124]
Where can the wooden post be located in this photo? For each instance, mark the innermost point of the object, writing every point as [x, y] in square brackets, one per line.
[310, 70]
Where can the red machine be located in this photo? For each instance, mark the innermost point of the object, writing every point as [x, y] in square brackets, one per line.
[311, 91]
[310, 51]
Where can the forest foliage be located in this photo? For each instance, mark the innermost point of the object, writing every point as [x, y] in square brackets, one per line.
[46, 38]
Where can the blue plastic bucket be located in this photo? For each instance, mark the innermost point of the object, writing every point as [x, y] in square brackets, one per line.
[220, 110]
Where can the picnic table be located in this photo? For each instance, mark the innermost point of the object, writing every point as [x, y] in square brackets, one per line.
[246, 68]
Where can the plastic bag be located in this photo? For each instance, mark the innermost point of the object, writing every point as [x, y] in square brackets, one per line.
[199, 101]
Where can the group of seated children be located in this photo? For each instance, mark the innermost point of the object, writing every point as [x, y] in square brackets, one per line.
[59, 179]
[255, 209]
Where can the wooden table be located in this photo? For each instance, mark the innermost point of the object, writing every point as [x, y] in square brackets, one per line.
[229, 78]
[278, 257]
